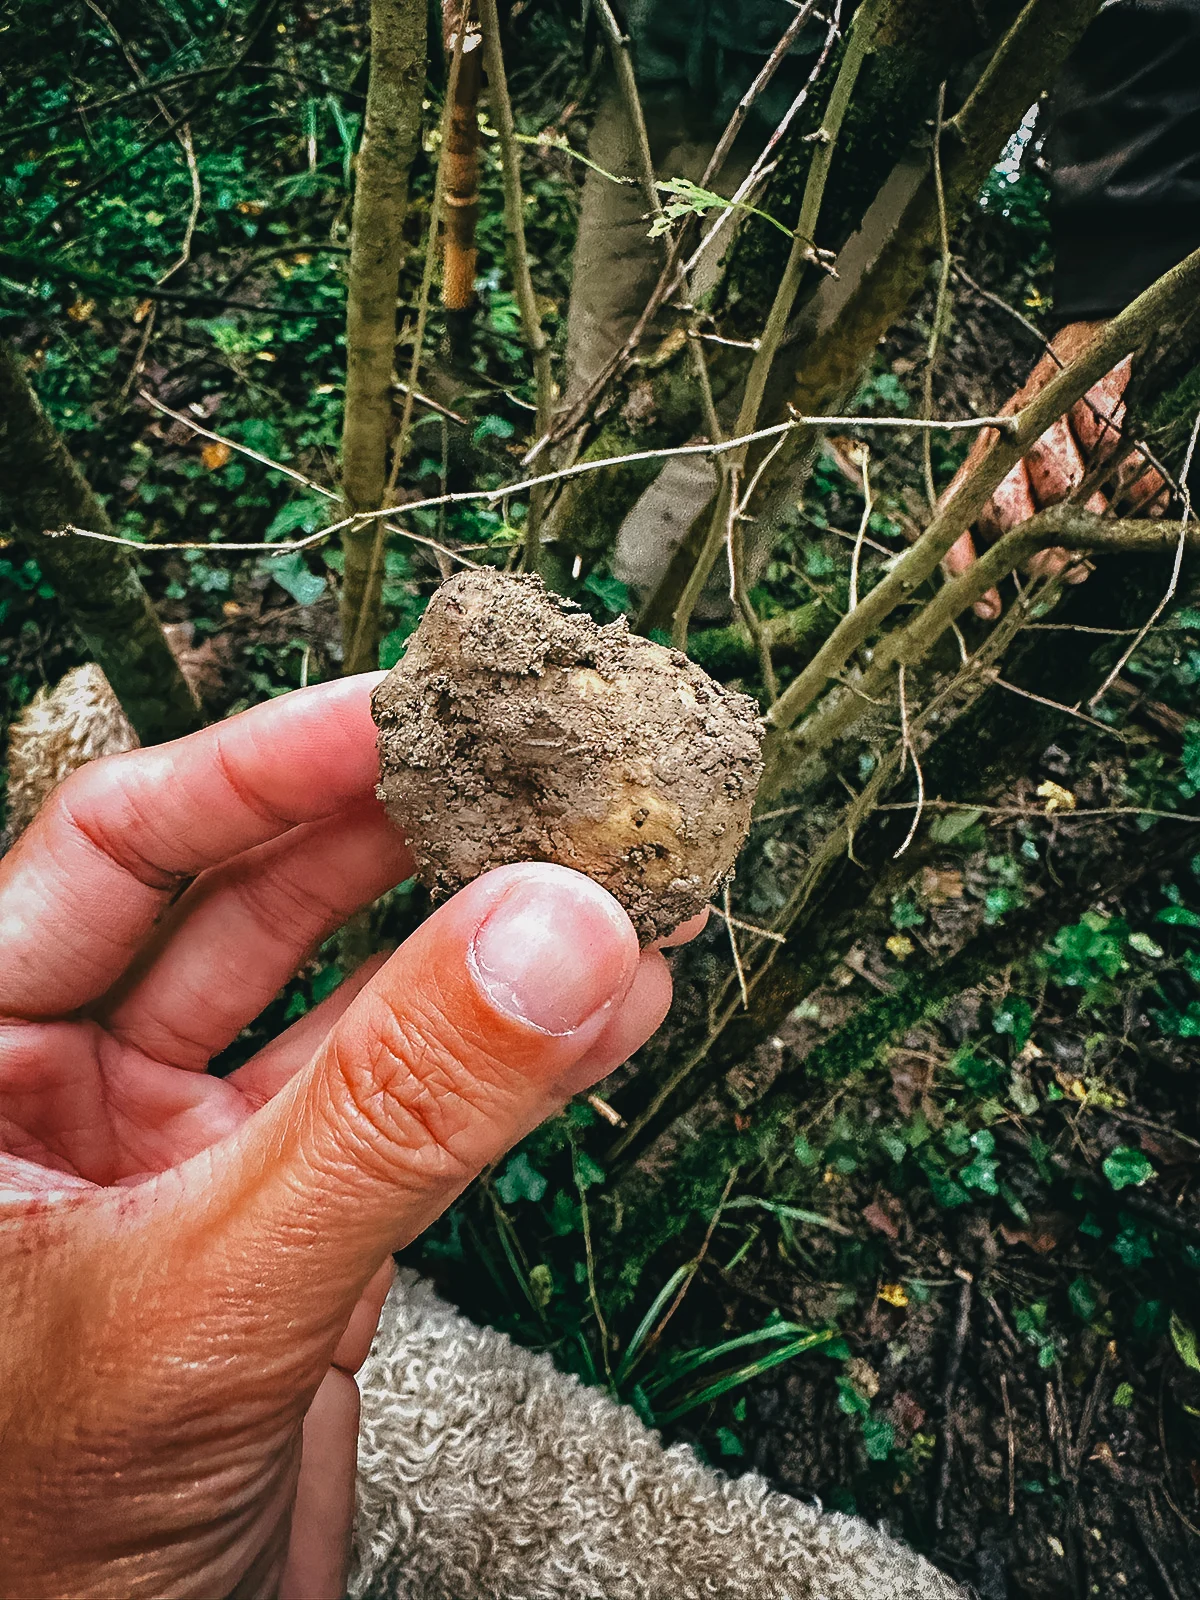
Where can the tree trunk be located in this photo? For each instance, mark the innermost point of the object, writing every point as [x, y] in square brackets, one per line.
[884, 265]
[389, 143]
[923, 42]
[42, 492]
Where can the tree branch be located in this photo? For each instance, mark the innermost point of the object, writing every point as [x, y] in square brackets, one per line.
[1126, 333]
[391, 131]
[41, 488]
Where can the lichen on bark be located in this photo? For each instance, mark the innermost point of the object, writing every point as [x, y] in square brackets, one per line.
[42, 492]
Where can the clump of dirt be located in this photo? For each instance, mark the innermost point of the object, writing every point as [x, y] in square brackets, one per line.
[518, 729]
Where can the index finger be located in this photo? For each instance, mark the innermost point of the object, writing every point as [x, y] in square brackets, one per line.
[83, 888]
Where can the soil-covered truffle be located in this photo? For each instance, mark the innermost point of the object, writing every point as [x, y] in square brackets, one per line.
[517, 729]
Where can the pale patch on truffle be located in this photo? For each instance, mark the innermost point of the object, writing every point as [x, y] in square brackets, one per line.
[517, 729]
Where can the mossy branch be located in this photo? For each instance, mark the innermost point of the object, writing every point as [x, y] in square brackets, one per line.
[884, 265]
[1065, 526]
[1129, 332]
[42, 492]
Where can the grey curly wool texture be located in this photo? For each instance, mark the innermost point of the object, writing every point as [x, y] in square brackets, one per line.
[59, 730]
[486, 1474]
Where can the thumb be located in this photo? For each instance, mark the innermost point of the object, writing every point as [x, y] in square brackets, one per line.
[486, 1020]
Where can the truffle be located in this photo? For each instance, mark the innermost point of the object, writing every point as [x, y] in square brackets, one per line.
[516, 728]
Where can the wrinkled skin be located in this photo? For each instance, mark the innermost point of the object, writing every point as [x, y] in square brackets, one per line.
[1058, 463]
[193, 1267]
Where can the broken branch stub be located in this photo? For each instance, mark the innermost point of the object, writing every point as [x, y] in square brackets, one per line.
[518, 729]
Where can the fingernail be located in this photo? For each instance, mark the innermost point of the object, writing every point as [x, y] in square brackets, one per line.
[555, 950]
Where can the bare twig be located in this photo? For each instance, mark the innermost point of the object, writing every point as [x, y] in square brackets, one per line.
[802, 252]
[765, 73]
[589, 1255]
[1058, 705]
[738, 592]
[748, 927]
[674, 273]
[1011, 811]
[1012, 1445]
[183, 137]
[697, 1262]
[954, 1357]
[910, 749]
[618, 45]
[609, 1113]
[157, 86]
[943, 296]
[432, 405]
[1173, 585]
[731, 930]
[864, 459]
[493, 497]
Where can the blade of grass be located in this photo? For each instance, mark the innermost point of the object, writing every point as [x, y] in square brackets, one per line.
[733, 1380]
[691, 1360]
[643, 1330]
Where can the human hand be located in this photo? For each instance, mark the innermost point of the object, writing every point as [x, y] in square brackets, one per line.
[193, 1266]
[1088, 436]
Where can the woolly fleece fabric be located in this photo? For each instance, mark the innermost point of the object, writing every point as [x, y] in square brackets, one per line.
[486, 1474]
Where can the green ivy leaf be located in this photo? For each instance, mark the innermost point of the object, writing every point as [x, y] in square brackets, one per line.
[981, 1174]
[492, 427]
[587, 1171]
[850, 1401]
[1132, 1245]
[1127, 1168]
[1083, 1297]
[1123, 1395]
[520, 1181]
[291, 573]
[1183, 1338]
[948, 827]
[1015, 1017]
[1178, 917]
[879, 1437]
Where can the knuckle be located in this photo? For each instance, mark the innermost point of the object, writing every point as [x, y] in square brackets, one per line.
[104, 804]
[416, 1094]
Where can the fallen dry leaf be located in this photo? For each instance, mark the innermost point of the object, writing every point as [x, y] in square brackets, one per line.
[1056, 797]
[884, 1215]
[1044, 1233]
[215, 455]
[941, 884]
